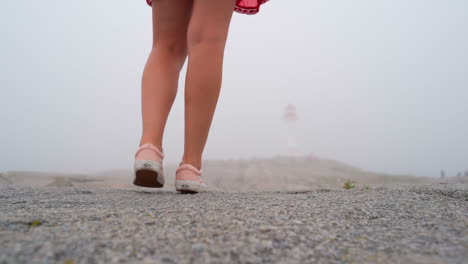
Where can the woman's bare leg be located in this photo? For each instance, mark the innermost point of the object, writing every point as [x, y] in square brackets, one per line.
[207, 34]
[161, 73]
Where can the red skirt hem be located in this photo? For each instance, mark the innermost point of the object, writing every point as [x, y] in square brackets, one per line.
[248, 7]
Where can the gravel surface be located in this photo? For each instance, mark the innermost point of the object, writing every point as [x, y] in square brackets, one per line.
[384, 224]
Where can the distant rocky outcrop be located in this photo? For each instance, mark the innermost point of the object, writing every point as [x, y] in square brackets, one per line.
[293, 173]
[35, 178]
[255, 174]
[4, 178]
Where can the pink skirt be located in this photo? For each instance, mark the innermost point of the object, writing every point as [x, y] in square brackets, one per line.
[248, 7]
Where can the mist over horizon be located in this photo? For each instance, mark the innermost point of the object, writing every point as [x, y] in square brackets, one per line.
[382, 86]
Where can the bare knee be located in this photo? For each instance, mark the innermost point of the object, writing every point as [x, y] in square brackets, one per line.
[205, 38]
[175, 49]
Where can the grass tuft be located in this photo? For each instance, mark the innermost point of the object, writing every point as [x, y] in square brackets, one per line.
[349, 184]
[35, 223]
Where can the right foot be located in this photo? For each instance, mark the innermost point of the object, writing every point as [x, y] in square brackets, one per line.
[148, 168]
[188, 179]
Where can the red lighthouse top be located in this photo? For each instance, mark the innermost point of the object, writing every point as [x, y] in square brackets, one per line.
[290, 113]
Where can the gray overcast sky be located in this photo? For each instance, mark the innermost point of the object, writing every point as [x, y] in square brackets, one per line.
[382, 85]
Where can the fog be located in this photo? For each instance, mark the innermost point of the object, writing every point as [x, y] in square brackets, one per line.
[382, 85]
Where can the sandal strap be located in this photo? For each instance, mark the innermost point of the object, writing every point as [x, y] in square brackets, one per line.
[190, 167]
[150, 146]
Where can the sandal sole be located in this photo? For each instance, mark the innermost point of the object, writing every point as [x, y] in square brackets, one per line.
[189, 187]
[147, 178]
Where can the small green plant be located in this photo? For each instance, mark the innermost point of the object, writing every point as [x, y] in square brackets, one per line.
[35, 223]
[349, 184]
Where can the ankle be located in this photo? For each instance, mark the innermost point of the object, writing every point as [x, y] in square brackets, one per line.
[196, 163]
[156, 144]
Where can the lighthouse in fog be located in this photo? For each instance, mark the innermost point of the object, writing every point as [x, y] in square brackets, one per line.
[290, 120]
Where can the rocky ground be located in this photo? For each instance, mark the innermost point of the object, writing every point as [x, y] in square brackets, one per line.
[376, 224]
